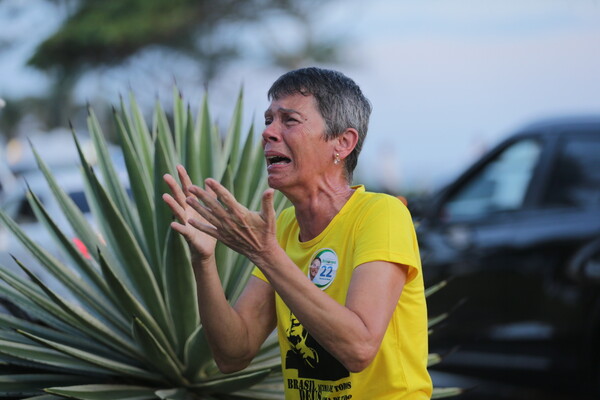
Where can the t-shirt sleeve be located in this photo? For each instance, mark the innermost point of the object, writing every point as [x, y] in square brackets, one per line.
[386, 232]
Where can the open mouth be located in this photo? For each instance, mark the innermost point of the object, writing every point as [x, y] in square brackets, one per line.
[278, 160]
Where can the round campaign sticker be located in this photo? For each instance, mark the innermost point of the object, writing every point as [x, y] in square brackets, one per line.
[323, 267]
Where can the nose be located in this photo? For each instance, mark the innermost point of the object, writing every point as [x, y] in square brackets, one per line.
[270, 134]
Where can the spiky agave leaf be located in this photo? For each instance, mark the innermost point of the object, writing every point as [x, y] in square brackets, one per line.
[435, 358]
[125, 324]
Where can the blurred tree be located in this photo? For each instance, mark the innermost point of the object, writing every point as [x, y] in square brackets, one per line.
[107, 32]
[100, 35]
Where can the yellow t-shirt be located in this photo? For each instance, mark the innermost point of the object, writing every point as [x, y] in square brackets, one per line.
[370, 227]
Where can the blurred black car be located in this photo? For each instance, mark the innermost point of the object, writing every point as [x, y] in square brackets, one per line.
[518, 237]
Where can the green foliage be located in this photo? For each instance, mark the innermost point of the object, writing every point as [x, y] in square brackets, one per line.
[129, 327]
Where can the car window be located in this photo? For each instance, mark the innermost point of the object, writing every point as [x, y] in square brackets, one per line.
[80, 201]
[500, 185]
[24, 212]
[575, 181]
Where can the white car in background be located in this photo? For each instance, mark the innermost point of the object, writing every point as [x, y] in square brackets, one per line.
[67, 172]
[7, 179]
[16, 205]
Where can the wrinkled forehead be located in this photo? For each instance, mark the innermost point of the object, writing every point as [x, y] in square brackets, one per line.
[292, 103]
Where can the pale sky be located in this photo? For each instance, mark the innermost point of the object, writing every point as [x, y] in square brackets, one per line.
[449, 77]
[446, 78]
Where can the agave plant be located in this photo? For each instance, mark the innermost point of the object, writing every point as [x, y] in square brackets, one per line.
[435, 358]
[125, 324]
[130, 328]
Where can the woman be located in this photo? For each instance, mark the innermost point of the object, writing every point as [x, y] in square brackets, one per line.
[348, 333]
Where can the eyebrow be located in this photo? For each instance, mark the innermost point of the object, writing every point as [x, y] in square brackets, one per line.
[284, 110]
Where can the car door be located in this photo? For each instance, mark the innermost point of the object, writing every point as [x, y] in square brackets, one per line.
[473, 241]
[563, 219]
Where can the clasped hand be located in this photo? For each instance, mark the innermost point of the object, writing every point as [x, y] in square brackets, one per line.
[210, 214]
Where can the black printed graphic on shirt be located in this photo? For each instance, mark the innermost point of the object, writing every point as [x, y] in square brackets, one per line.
[308, 357]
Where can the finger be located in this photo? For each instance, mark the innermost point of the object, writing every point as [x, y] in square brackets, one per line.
[228, 203]
[211, 192]
[268, 210]
[175, 189]
[208, 199]
[175, 207]
[224, 195]
[181, 229]
[204, 211]
[184, 178]
[204, 227]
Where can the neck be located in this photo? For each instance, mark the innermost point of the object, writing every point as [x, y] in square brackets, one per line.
[317, 207]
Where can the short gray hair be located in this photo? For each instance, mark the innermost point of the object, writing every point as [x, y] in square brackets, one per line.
[339, 100]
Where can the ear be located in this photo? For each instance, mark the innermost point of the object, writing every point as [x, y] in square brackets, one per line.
[346, 142]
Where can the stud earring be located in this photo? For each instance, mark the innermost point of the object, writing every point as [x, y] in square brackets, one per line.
[337, 159]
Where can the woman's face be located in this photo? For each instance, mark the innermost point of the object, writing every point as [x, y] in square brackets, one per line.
[294, 146]
[314, 268]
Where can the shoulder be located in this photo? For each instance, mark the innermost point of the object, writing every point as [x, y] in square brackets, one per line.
[381, 203]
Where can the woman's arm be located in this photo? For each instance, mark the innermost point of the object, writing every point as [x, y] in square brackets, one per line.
[353, 332]
[236, 333]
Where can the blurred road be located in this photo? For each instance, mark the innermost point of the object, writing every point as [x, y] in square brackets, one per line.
[486, 389]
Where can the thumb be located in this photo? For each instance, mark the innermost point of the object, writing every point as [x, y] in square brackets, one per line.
[267, 210]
